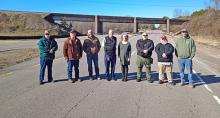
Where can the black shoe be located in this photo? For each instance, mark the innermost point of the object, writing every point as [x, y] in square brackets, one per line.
[160, 82]
[41, 82]
[50, 81]
[150, 81]
[138, 80]
[73, 80]
[172, 83]
[108, 79]
[80, 80]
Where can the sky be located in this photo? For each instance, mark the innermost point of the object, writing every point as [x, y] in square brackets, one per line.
[133, 8]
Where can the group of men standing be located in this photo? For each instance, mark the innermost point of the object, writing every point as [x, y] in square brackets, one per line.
[73, 50]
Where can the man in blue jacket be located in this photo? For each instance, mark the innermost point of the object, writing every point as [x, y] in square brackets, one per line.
[47, 47]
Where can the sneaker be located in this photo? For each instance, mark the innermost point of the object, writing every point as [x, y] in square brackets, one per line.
[41, 82]
[70, 80]
[123, 79]
[90, 78]
[80, 80]
[160, 82]
[98, 78]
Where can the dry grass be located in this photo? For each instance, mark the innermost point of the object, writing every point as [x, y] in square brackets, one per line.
[12, 57]
[208, 40]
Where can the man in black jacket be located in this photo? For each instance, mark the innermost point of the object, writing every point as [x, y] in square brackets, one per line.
[144, 47]
[164, 52]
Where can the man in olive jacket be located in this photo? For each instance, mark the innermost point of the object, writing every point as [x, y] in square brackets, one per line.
[144, 47]
[47, 47]
[185, 51]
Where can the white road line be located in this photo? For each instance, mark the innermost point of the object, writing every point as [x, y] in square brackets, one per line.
[216, 98]
[207, 87]
[201, 80]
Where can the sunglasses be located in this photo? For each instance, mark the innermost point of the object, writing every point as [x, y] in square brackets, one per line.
[47, 34]
[184, 32]
[144, 35]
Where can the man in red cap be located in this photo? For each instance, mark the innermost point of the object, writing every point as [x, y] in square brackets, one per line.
[164, 52]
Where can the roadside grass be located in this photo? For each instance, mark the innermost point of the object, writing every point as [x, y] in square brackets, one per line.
[13, 57]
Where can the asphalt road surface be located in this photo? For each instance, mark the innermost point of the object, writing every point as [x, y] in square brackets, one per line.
[21, 96]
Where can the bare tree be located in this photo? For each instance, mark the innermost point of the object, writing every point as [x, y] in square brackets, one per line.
[216, 4]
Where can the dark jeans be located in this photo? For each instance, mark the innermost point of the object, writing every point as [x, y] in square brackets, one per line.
[43, 64]
[185, 63]
[70, 64]
[124, 69]
[110, 60]
[92, 58]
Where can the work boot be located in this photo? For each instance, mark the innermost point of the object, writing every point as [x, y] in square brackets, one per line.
[138, 80]
[160, 82]
[41, 82]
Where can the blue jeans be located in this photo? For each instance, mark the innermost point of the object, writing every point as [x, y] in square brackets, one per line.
[188, 64]
[110, 60]
[93, 58]
[43, 64]
[70, 64]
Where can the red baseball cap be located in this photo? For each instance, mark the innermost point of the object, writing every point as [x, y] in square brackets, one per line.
[164, 37]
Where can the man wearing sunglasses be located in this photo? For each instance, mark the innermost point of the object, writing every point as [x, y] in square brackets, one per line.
[185, 51]
[144, 46]
[47, 47]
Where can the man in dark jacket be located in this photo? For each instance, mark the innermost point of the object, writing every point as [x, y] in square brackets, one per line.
[144, 47]
[110, 43]
[47, 47]
[164, 52]
[72, 51]
[91, 47]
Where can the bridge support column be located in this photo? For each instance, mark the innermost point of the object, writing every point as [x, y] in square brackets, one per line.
[135, 30]
[168, 25]
[98, 25]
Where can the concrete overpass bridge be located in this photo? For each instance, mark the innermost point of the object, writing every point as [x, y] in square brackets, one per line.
[98, 21]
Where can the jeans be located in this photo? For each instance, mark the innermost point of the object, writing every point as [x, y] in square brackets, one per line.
[92, 58]
[188, 64]
[110, 60]
[43, 64]
[70, 64]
